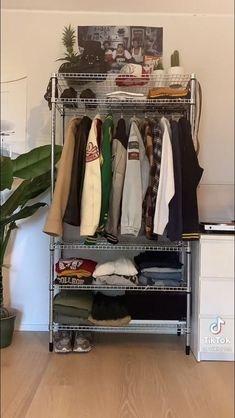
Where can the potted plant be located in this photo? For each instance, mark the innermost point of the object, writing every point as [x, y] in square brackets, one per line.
[159, 72]
[71, 58]
[175, 67]
[33, 168]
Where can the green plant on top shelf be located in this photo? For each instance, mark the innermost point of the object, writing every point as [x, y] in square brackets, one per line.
[159, 65]
[68, 40]
[175, 60]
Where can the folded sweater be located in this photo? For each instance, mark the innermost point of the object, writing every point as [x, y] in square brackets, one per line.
[107, 307]
[122, 266]
[116, 279]
[72, 265]
[75, 300]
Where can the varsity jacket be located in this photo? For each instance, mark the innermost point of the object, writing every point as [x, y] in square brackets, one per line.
[91, 193]
[72, 214]
[106, 170]
[54, 221]
[135, 183]
[166, 188]
[119, 146]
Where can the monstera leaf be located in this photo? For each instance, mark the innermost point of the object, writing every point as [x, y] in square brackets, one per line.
[35, 162]
[34, 168]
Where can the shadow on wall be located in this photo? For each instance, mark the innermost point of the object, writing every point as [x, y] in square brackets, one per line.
[7, 269]
[39, 125]
[216, 202]
[28, 262]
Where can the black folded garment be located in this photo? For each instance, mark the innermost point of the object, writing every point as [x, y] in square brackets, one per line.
[158, 258]
[109, 307]
[164, 306]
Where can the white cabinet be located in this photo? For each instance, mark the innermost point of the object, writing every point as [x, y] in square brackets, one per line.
[213, 297]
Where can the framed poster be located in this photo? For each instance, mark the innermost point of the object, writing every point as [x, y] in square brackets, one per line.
[122, 44]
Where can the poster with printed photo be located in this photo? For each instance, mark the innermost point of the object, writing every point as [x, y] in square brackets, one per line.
[119, 45]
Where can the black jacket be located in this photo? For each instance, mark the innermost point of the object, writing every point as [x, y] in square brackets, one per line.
[175, 224]
[73, 210]
[191, 176]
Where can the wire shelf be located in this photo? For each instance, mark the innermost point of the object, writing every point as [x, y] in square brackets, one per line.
[109, 82]
[102, 244]
[143, 327]
[124, 101]
[101, 85]
[138, 288]
[129, 106]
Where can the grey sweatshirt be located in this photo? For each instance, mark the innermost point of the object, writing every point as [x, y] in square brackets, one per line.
[135, 183]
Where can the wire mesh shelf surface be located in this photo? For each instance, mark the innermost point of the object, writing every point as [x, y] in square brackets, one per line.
[138, 288]
[147, 327]
[109, 82]
[102, 244]
[132, 97]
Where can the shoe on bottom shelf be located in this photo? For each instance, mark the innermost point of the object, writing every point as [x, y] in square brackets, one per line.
[82, 342]
[63, 341]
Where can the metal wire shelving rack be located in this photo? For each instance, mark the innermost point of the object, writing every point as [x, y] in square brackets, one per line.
[135, 326]
[102, 85]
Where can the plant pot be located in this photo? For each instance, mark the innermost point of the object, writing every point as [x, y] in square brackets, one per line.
[176, 70]
[6, 330]
[158, 77]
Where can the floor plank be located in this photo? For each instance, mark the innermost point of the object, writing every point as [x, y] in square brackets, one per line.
[124, 376]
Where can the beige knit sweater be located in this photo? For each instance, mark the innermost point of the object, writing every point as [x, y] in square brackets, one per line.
[54, 221]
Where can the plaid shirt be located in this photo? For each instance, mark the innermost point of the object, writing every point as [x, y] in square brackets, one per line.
[148, 213]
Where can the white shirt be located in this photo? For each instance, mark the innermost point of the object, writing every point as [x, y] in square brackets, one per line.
[166, 187]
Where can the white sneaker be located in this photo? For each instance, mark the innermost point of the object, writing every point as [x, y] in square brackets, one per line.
[82, 342]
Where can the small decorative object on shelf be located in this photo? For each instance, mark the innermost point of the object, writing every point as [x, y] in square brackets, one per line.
[159, 71]
[175, 67]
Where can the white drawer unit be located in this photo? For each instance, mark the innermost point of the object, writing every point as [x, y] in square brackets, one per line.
[217, 258]
[216, 295]
[213, 297]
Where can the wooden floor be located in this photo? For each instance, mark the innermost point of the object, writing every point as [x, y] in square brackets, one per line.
[124, 376]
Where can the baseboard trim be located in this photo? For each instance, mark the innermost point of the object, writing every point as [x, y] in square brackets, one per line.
[32, 327]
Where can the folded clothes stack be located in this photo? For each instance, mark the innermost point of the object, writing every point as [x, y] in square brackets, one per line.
[161, 268]
[118, 272]
[109, 311]
[72, 307]
[74, 271]
[132, 75]
[124, 95]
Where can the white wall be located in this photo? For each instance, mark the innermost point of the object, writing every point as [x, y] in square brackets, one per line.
[31, 42]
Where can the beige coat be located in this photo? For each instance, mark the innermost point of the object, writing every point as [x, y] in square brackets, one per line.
[54, 221]
[91, 192]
